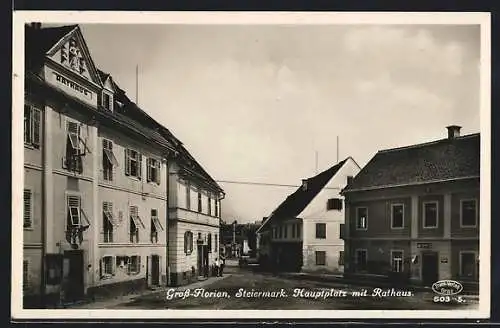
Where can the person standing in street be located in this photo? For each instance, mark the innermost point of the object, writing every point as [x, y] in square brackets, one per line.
[217, 267]
[222, 263]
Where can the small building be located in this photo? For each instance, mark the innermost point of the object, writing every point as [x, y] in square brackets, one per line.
[304, 231]
[412, 213]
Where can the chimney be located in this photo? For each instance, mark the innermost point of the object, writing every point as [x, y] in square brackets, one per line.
[304, 184]
[453, 131]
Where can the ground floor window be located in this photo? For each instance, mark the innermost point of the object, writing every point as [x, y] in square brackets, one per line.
[320, 258]
[397, 261]
[107, 264]
[341, 258]
[361, 259]
[468, 265]
[134, 265]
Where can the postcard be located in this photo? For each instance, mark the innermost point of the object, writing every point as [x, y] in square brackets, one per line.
[210, 165]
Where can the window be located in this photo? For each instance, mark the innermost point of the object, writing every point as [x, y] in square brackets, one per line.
[280, 232]
[26, 273]
[341, 258]
[361, 218]
[188, 196]
[75, 148]
[108, 220]
[108, 159]
[320, 258]
[216, 204]
[299, 232]
[209, 211]
[209, 242]
[397, 261]
[361, 259]
[199, 202]
[155, 226]
[135, 223]
[275, 233]
[334, 204]
[28, 209]
[320, 230]
[188, 242]
[468, 264]
[106, 101]
[134, 266]
[294, 230]
[32, 117]
[285, 231]
[107, 266]
[397, 216]
[133, 163]
[468, 213]
[76, 217]
[430, 215]
[216, 243]
[153, 174]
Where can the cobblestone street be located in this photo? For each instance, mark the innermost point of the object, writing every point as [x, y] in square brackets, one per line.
[223, 294]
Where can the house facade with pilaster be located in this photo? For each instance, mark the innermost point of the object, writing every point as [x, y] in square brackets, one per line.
[412, 213]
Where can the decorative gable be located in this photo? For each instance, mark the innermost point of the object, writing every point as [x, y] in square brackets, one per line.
[72, 53]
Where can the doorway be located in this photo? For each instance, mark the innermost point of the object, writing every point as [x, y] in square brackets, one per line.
[430, 268]
[74, 284]
[200, 260]
[155, 270]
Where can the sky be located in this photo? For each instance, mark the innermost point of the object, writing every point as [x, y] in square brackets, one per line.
[256, 103]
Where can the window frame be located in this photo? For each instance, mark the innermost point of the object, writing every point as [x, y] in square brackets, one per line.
[357, 218]
[476, 214]
[200, 202]
[30, 128]
[341, 258]
[188, 242]
[108, 216]
[356, 258]
[332, 202]
[112, 261]
[137, 159]
[402, 219]
[424, 215]
[108, 157]
[209, 242]
[322, 224]
[137, 222]
[393, 251]
[138, 265]
[316, 253]
[153, 165]
[81, 213]
[475, 274]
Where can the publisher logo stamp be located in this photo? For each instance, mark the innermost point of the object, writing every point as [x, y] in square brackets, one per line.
[446, 290]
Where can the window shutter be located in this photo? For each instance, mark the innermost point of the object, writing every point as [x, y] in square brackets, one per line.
[100, 268]
[138, 264]
[113, 265]
[36, 127]
[127, 161]
[158, 172]
[148, 172]
[129, 265]
[27, 209]
[139, 165]
[185, 242]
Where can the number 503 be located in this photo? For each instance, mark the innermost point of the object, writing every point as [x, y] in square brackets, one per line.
[442, 299]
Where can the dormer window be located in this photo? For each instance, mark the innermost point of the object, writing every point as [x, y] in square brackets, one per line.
[107, 101]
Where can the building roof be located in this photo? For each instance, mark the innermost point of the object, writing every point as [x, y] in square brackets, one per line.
[445, 159]
[295, 203]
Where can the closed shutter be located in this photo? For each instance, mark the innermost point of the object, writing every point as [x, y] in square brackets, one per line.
[100, 268]
[149, 170]
[127, 161]
[27, 209]
[185, 242]
[158, 171]
[36, 127]
[139, 165]
[138, 264]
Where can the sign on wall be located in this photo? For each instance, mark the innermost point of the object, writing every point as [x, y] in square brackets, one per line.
[71, 87]
[424, 245]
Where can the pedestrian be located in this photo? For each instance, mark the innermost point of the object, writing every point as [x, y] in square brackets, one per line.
[217, 267]
[222, 264]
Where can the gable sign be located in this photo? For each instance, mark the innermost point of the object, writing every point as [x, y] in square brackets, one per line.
[71, 87]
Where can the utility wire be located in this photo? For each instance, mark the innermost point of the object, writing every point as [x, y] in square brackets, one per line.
[263, 184]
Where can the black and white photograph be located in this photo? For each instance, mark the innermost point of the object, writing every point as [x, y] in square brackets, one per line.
[244, 165]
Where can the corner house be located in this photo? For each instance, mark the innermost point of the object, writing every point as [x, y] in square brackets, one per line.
[412, 213]
[96, 171]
